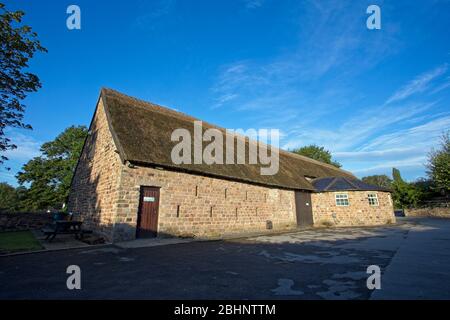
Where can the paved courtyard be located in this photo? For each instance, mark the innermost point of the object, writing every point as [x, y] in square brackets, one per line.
[414, 257]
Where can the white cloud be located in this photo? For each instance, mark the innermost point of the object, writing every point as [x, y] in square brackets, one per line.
[357, 129]
[405, 149]
[377, 155]
[441, 87]
[367, 144]
[417, 85]
[424, 136]
[223, 99]
[290, 80]
[386, 167]
[8, 177]
[27, 147]
[314, 93]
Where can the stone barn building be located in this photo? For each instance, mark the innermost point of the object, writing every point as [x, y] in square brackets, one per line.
[125, 185]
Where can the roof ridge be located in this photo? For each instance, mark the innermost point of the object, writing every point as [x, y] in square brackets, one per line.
[351, 183]
[332, 182]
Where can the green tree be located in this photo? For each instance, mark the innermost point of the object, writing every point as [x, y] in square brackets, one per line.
[317, 153]
[380, 180]
[396, 175]
[405, 195]
[50, 174]
[426, 189]
[439, 165]
[9, 199]
[18, 44]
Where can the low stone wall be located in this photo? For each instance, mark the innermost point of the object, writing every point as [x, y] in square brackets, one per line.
[24, 221]
[440, 212]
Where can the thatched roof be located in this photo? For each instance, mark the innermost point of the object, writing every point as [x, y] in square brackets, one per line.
[344, 184]
[142, 133]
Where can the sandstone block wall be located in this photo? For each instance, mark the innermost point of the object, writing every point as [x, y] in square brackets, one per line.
[94, 189]
[208, 207]
[358, 213]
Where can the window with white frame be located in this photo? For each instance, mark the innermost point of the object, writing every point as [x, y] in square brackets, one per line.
[373, 199]
[341, 199]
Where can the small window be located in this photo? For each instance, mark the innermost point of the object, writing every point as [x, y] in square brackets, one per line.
[373, 199]
[342, 199]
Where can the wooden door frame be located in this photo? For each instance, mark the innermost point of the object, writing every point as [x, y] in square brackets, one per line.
[141, 187]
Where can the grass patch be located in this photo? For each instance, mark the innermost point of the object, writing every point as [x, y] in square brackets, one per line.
[18, 241]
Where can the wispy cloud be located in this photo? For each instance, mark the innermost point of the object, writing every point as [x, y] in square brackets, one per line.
[417, 85]
[253, 4]
[415, 162]
[377, 155]
[403, 148]
[321, 92]
[27, 147]
[442, 86]
[420, 136]
[151, 12]
[220, 101]
[356, 130]
[323, 58]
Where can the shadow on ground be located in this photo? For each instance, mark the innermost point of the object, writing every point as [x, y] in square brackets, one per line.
[314, 264]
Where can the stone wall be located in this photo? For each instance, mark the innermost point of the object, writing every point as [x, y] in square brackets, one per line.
[358, 213]
[94, 189]
[209, 207]
[440, 212]
[24, 221]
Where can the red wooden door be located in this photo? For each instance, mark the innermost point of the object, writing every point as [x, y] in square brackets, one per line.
[147, 224]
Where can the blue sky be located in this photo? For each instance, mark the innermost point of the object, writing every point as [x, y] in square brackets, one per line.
[376, 98]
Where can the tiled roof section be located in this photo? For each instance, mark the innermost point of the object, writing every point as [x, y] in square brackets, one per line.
[343, 184]
[322, 183]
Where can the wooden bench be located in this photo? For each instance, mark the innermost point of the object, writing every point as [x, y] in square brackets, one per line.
[65, 227]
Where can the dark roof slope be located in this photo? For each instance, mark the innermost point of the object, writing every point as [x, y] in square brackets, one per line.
[343, 184]
[142, 132]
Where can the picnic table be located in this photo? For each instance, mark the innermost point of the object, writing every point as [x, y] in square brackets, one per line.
[64, 227]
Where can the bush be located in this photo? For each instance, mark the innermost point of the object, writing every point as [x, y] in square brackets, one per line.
[326, 223]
